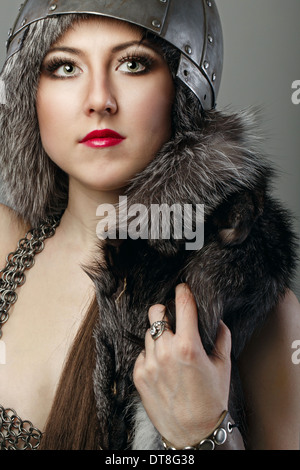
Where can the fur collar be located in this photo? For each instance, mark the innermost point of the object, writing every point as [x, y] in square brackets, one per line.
[244, 267]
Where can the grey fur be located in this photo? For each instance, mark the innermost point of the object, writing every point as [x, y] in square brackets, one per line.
[145, 436]
[31, 183]
[239, 275]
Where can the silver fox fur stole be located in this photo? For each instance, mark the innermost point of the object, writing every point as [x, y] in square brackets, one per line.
[239, 275]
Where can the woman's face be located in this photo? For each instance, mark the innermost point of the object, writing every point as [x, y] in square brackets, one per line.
[99, 76]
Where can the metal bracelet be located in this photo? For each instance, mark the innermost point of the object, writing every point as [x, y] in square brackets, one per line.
[216, 438]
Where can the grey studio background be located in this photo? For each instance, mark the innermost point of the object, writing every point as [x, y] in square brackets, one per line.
[262, 60]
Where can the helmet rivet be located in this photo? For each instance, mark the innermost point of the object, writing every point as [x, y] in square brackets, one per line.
[156, 23]
[210, 58]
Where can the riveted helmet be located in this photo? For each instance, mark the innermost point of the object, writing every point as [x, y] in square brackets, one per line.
[190, 37]
[192, 26]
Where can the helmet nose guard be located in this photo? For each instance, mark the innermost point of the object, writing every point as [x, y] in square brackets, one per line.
[192, 26]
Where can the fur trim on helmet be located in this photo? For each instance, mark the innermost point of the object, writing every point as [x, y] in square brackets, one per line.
[31, 183]
[243, 269]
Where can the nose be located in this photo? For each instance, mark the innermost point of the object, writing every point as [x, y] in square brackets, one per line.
[100, 98]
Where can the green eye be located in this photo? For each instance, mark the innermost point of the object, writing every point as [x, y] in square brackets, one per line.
[132, 66]
[61, 67]
[68, 69]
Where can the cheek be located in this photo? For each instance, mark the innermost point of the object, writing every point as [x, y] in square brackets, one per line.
[151, 110]
[52, 112]
[45, 113]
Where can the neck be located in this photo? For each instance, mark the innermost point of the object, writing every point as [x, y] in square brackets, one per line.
[79, 221]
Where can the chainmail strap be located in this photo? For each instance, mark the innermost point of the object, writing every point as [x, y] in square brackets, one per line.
[13, 276]
[16, 434]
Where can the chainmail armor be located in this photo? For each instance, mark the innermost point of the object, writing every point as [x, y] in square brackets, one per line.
[16, 434]
[12, 276]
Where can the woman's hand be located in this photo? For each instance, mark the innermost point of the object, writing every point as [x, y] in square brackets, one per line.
[183, 390]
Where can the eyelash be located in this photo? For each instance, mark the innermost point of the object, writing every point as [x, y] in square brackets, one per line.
[56, 62]
[145, 60]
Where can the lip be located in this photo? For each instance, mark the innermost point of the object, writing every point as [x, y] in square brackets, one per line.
[102, 138]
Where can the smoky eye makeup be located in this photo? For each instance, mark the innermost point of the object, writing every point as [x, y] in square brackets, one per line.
[134, 61]
[60, 67]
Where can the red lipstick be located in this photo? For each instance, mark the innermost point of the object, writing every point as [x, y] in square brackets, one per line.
[102, 138]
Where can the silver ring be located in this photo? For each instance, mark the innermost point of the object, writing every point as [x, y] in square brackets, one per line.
[157, 328]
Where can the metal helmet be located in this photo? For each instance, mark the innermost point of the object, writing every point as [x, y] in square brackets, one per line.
[192, 26]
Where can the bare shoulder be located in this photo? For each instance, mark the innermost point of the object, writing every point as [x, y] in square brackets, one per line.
[13, 227]
[288, 307]
[271, 379]
[284, 321]
[281, 328]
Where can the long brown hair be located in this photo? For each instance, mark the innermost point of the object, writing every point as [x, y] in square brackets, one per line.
[72, 423]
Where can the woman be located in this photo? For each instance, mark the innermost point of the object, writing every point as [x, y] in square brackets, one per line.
[94, 111]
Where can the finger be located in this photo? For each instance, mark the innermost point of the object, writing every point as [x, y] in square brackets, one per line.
[139, 368]
[222, 347]
[186, 312]
[156, 314]
[140, 359]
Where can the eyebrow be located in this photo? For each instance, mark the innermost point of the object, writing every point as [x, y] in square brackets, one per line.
[115, 49]
[128, 44]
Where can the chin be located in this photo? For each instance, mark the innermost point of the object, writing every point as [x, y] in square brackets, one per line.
[104, 187]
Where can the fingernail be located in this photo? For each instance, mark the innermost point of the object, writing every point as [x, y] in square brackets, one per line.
[183, 286]
[157, 308]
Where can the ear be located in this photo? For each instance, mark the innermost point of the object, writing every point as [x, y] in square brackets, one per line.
[235, 218]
